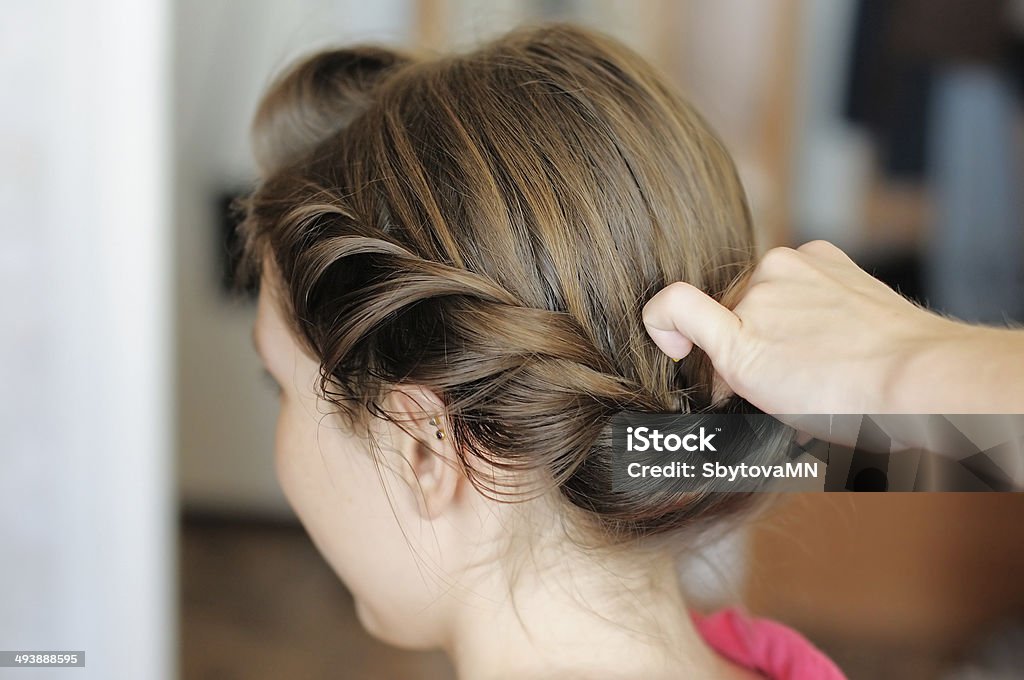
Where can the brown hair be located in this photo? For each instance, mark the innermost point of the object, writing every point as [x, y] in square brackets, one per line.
[489, 225]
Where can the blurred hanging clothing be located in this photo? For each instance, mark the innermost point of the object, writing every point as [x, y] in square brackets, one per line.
[936, 82]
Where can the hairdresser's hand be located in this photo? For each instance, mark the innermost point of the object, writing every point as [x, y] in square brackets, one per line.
[814, 333]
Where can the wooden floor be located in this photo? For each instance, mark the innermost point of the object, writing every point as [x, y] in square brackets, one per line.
[258, 601]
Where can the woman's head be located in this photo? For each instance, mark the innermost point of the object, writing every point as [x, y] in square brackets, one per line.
[472, 239]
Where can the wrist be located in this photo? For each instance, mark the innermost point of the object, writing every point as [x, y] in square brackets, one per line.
[923, 364]
[946, 366]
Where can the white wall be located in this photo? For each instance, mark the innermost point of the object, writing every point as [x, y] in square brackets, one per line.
[86, 510]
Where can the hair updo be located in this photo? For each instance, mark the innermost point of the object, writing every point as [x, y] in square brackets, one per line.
[489, 225]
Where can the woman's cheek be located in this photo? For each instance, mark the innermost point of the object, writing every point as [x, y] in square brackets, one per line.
[285, 454]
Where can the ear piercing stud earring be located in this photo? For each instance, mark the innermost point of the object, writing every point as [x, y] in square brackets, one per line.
[439, 433]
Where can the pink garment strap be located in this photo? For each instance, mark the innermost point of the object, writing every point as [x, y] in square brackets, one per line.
[766, 646]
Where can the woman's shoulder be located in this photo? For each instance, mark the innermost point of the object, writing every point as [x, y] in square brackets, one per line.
[764, 645]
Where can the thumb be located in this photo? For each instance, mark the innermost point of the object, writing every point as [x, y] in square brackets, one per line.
[681, 315]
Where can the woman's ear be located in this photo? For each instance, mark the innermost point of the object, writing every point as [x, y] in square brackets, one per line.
[422, 437]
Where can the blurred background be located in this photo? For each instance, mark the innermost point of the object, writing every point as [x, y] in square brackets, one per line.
[141, 520]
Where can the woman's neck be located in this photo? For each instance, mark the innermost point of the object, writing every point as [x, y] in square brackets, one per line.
[576, 617]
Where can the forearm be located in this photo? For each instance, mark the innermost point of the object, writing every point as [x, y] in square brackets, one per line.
[958, 368]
